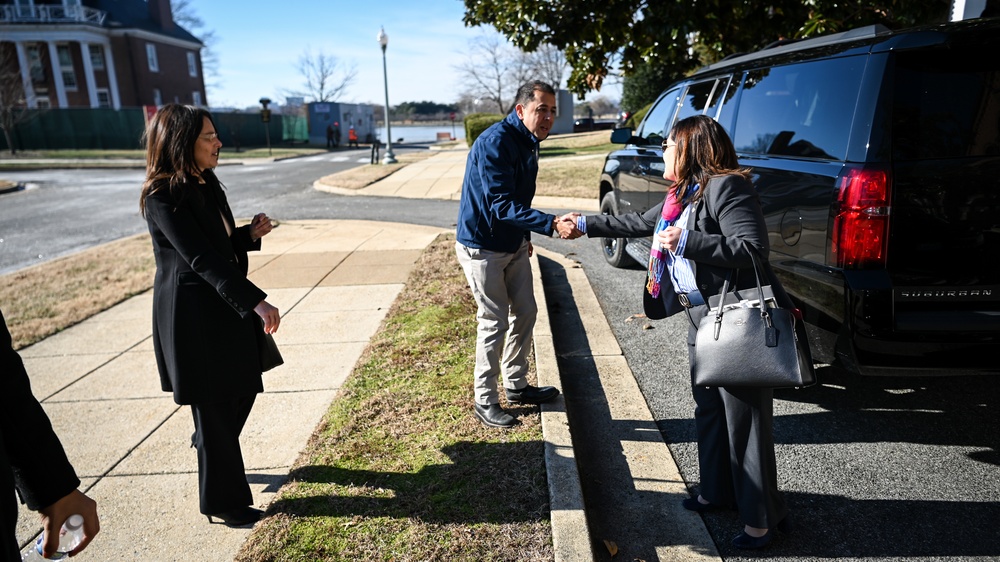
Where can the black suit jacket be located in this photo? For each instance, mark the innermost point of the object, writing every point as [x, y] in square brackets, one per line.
[727, 214]
[204, 326]
[31, 456]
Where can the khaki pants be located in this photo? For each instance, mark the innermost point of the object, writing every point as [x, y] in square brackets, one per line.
[502, 287]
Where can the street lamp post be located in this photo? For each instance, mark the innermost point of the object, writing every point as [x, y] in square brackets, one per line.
[265, 117]
[390, 158]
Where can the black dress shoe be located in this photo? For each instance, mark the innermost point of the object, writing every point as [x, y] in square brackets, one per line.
[532, 394]
[494, 416]
[746, 542]
[692, 504]
[786, 526]
[238, 517]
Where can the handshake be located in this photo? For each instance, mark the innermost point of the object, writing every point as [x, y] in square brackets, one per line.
[566, 226]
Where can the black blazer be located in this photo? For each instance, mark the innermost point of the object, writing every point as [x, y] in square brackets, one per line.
[204, 326]
[31, 456]
[727, 214]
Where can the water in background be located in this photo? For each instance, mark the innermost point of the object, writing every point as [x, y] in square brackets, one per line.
[421, 133]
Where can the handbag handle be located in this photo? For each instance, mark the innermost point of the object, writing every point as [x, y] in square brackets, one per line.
[770, 336]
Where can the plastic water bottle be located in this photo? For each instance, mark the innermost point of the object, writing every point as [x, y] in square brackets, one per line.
[69, 536]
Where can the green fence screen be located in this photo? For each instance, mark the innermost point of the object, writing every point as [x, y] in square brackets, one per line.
[122, 129]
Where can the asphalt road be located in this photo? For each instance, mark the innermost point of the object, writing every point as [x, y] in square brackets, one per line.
[65, 211]
[884, 469]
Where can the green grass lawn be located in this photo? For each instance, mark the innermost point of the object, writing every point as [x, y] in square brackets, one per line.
[399, 469]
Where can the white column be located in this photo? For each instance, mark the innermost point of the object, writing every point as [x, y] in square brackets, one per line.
[88, 73]
[57, 75]
[109, 64]
[22, 61]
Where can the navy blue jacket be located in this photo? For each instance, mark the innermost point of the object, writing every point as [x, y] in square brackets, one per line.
[495, 211]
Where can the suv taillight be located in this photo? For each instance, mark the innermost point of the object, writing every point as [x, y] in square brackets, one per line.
[861, 224]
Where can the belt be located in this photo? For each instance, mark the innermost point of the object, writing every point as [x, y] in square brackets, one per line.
[690, 300]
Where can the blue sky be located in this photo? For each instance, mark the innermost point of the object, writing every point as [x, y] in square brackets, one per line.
[259, 43]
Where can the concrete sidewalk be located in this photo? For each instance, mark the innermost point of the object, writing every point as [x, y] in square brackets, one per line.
[333, 282]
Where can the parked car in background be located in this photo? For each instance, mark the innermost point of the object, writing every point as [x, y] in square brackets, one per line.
[876, 155]
[585, 124]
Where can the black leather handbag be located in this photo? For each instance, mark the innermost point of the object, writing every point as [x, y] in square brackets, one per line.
[747, 340]
[270, 357]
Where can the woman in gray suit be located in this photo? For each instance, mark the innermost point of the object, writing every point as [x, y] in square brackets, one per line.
[698, 234]
[207, 317]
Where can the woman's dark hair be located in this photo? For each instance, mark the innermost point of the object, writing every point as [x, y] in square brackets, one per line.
[703, 151]
[169, 140]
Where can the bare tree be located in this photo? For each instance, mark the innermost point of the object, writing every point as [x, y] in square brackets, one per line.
[326, 79]
[602, 106]
[13, 108]
[549, 64]
[486, 72]
[185, 16]
[494, 69]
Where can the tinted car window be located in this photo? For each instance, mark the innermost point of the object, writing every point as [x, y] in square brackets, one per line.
[654, 127]
[695, 99]
[942, 103]
[728, 110]
[800, 110]
[717, 97]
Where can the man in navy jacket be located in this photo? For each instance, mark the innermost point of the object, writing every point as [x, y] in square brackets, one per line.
[495, 221]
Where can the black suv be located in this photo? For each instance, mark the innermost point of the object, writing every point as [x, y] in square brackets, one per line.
[876, 155]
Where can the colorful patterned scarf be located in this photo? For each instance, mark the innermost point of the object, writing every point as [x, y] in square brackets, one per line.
[657, 255]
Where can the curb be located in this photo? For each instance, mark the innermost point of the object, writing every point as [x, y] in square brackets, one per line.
[570, 532]
[618, 432]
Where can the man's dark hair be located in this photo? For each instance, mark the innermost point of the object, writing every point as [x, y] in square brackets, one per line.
[526, 92]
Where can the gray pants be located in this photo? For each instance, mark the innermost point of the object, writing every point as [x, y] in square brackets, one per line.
[502, 287]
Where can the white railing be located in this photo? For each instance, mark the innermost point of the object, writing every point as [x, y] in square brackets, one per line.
[49, 13]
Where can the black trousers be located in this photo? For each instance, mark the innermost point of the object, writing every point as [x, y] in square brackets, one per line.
[736, 447]
[222, 479]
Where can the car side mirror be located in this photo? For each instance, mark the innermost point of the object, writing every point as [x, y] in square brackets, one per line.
[621, 136]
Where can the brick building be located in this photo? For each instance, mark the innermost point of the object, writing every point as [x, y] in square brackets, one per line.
[101, 53]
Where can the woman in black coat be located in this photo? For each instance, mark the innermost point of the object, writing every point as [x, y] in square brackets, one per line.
[708, 213]
[207, 317]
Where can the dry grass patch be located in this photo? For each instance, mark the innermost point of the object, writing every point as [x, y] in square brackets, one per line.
[570, 176]
[41, 300]
[363, 176]
[578, 140]
[399, 469]
[595, 142]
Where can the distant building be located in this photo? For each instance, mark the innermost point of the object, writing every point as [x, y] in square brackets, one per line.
[101, 53]
[341, 116]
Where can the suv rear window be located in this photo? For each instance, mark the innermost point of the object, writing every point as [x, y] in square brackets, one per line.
[802, 110]
[946, 104]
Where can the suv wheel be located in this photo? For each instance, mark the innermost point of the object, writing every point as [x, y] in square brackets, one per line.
[614, 248]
